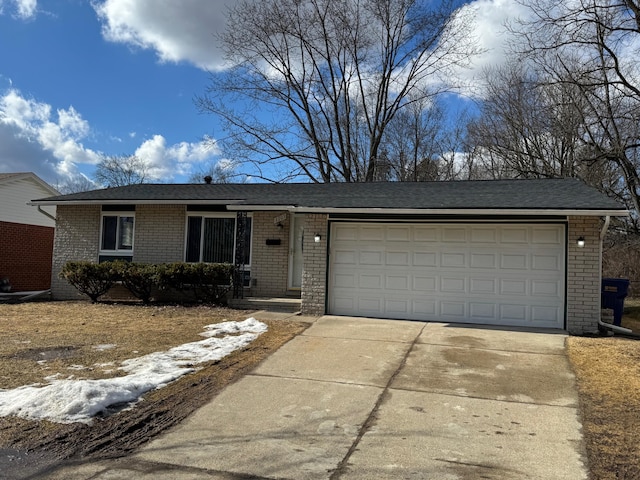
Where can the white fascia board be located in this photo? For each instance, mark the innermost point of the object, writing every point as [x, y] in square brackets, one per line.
[134, 202]
[438, 211]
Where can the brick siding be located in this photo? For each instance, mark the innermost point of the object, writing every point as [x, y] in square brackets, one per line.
[76, 239]
[314, 271]
[583, 275]
[26, 255]
[269, 263]
[159, 233]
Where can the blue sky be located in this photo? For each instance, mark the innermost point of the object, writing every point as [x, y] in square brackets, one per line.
[79, 79]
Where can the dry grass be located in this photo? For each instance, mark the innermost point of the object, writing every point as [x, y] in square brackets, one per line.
[608, 374]
[38, 340]
[82, 340]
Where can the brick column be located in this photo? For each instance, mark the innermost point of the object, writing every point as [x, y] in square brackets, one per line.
[583, 275]
[314, 271]
[159, 233]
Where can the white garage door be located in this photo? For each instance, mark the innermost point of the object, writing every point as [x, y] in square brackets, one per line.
[503, 274]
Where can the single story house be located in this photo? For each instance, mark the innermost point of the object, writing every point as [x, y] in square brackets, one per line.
[26, 234]
[505, 252]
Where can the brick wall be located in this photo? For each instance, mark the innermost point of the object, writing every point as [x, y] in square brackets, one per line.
[25, 255]
[270, 263]
[159, 233]
[583, 275]
[314, 273]
[76, 238]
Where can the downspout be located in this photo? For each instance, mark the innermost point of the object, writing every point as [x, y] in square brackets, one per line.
[46, 213]
[601, 324]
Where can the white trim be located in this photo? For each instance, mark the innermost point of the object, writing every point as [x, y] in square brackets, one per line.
[236, 205]
[436, 211]
[117, 252]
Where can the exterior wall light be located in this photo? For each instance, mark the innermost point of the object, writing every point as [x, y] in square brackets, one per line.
[317, 238]
[580, 242]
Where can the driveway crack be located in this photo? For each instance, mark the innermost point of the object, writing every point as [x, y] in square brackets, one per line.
[373, 415]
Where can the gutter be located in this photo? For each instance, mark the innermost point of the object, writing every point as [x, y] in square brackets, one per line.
[46, 213]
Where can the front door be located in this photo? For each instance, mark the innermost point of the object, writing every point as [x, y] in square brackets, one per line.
[295, 252]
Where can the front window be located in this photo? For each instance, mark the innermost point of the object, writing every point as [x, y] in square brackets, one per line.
[212, 239]
[117, 233]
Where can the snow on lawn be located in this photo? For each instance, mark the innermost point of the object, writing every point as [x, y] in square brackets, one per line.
[67, 401]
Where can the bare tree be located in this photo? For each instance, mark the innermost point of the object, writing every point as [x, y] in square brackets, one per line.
[218, 172]
[75, 184]
[121, 170]
[527, 128]
[593, 46]
[322, 80]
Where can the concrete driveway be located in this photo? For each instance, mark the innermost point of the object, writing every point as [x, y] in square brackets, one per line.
[356, 398]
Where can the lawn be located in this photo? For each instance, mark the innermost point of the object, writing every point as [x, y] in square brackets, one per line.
[80, 340]
[608, 375]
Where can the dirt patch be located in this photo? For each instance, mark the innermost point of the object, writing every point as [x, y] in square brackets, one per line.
[97, 337]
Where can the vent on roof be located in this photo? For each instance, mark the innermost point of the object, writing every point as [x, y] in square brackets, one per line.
[208, 179]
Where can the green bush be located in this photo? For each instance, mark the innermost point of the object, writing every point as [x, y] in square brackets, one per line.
[92, 279]
[208, 282]
[139, 278]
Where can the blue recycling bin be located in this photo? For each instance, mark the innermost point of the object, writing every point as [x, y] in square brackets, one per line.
[613, 293]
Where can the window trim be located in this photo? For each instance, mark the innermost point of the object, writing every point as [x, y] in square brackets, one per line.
[210, 214]
[117, 252]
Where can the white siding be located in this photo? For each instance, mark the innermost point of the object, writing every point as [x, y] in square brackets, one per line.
[15, 194]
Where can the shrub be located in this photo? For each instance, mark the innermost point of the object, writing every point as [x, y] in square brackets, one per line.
[208, 282]
[91, 279]
[139, 278]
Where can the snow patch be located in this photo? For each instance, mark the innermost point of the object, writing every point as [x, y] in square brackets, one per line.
[68, 401]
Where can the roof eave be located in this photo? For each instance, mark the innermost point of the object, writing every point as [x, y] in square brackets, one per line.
[438, 211]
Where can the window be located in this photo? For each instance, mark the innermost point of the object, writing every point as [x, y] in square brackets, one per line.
[212, 239]
[117, 233]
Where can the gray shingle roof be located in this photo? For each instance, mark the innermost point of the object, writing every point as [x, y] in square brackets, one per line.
[537, 194]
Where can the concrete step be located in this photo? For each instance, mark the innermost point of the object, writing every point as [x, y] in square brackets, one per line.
[281, 304]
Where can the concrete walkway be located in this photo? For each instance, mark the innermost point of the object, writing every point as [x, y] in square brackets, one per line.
[355, 398]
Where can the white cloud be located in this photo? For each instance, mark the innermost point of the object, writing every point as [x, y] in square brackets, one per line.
[34, 138]
[165, 162]
[49, 142]
[490, 35]
[176, 31]
[22, 9]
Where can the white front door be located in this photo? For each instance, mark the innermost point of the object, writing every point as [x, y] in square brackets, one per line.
[505, 274]
[295, 251]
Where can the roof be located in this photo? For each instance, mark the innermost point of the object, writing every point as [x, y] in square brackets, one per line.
[550, 196]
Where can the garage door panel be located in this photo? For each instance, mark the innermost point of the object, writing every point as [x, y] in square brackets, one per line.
[398, 233]
[425, 259]
[370, 281]
[345, 257]
[485, 286]
[514, 261]
[513, 287]
[480, 235]
[486, 311]
[482, 273]
[455, 260]
[483, 260]
[398, 259]
[514, 235]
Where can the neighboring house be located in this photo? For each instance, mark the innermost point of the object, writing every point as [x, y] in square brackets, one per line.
[490, 252]
[26, 234]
